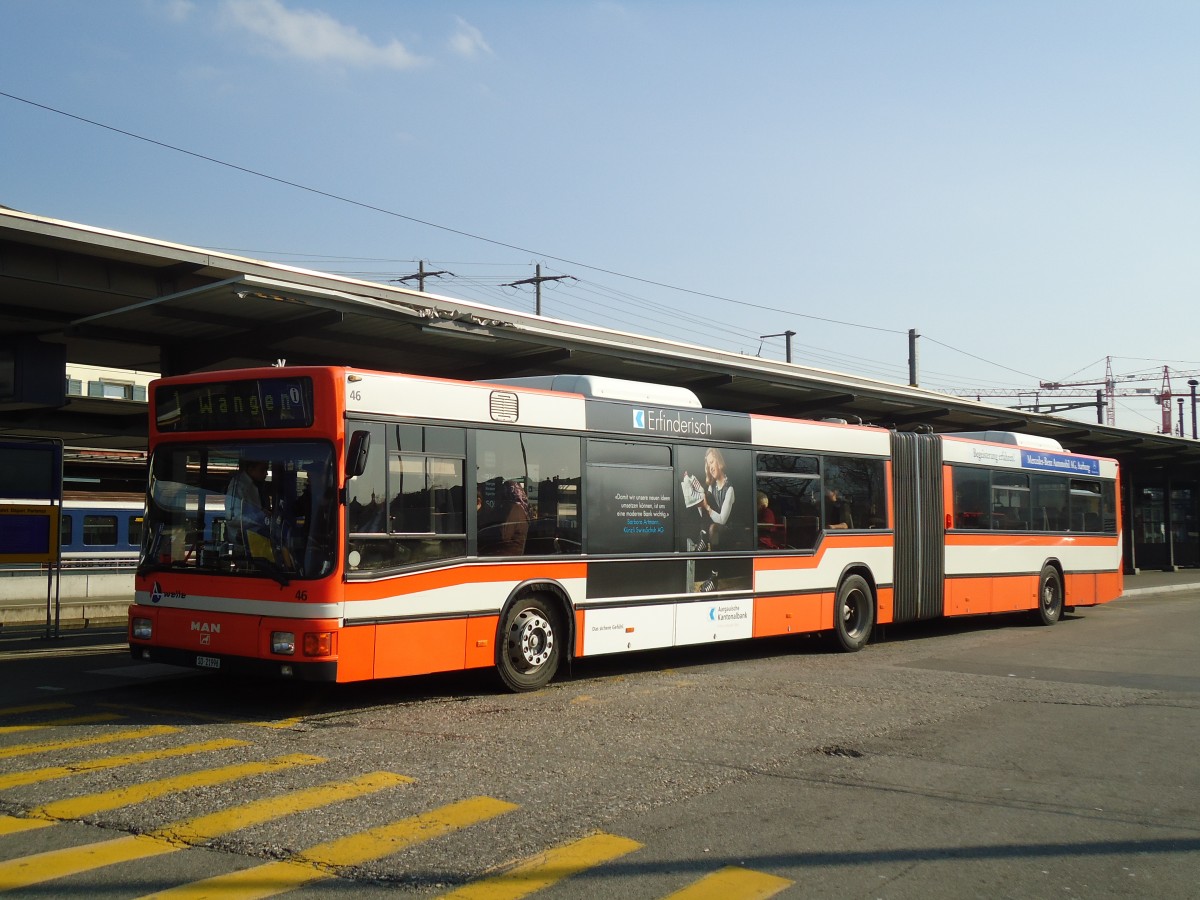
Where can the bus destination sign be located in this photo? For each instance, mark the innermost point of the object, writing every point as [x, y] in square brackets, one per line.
[235, 405]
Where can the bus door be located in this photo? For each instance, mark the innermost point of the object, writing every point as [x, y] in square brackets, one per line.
[919, 575]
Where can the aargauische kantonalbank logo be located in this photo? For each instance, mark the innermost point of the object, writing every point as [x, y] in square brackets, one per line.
[671, 421]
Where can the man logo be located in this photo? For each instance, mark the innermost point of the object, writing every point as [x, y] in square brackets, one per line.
[639, 418]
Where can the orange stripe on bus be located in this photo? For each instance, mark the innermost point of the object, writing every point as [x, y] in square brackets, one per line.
[806, 561]
[468, 574]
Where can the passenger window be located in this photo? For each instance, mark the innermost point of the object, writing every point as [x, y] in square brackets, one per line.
[788, 502]
[526, 494]
[408, 506]
[971, 508]
[1010, 501]
[99, 531]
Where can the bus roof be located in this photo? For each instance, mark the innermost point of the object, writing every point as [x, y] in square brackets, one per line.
[598, 388]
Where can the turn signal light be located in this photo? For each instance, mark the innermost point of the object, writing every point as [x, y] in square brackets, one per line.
[318, 643]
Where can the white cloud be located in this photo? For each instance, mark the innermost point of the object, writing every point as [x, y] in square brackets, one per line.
[316, 36]
[175, 10]
[468, 40]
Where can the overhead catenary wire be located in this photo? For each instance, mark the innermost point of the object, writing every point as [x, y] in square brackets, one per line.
[482, 238]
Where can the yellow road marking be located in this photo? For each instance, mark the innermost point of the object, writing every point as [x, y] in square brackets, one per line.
[34, 776]
[34, 707]
[547, 868]
[204, 828]
[29, 749]
[13, 825]
[92, 719]
[733, 883]
[41, 867]
[78, 807]
[279, 723]
[317, 863]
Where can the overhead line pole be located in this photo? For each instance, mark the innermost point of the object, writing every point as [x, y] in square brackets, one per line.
[536, 281]
[421, 275]
[913, 366]
[787, 342]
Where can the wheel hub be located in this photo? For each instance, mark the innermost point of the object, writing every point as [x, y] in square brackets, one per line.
[532, 639]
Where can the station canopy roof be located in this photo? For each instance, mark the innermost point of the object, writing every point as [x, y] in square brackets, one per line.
[129, 302]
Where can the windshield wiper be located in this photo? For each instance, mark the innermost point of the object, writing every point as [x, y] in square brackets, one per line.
[270, 568]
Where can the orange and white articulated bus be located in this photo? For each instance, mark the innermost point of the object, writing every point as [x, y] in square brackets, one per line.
[334, 524]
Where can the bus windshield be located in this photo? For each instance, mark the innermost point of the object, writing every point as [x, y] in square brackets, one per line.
[264, 508]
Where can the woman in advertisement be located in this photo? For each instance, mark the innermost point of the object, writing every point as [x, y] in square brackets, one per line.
[713, 501]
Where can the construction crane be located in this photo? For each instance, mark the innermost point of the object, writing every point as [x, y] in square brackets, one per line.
[1105, 395]
[1056, 400]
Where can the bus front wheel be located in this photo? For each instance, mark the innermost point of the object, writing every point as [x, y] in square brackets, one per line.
[853, 613]
[1050, 596]
[530, 644]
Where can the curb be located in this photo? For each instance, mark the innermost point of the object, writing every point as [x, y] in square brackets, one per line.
[1162, 589]
[70, 615]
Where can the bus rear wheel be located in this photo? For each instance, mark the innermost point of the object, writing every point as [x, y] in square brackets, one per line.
[853, 613]
[1050, 596]
[530, 644]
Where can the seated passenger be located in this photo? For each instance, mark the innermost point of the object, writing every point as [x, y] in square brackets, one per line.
[507, 536]
[837, 511]
[769, 531]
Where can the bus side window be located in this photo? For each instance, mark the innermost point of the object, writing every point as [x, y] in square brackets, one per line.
[972, 509]
[790, 487]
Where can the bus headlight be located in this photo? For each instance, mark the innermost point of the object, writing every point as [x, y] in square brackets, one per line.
[142, 629]
[283, 642]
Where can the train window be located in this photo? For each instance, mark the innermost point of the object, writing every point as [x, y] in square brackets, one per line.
[65, 530]
[135, 531]
[99, 531]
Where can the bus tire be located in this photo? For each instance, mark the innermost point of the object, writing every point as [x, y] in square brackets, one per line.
[1050, 596]
[529, 645]
[853, 613]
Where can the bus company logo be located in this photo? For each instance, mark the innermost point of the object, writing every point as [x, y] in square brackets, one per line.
[157, 594]
[639, 419]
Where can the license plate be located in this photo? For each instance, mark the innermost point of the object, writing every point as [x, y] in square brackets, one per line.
[208, 662]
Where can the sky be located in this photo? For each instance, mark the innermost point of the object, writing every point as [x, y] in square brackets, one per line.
[1018, 181]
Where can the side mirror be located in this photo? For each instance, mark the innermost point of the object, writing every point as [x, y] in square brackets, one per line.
[356, 455]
